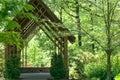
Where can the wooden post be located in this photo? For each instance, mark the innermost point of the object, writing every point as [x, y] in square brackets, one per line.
[6, 52]
[10, 50]
[65, 52]
[25, 55]
[22, 57]
[55, 46]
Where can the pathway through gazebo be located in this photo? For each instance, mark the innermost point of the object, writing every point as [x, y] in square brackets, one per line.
[35, 76]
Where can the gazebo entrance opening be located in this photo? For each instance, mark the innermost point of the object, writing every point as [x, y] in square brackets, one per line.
[38, 51]
[36, 55]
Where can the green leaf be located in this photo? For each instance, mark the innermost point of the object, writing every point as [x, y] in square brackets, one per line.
[28, 7]
[31, 16]
[12, 25]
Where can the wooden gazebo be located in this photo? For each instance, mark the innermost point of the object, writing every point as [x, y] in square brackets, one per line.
[30, 27]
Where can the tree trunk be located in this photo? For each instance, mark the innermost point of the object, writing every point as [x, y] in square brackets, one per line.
[93, 45]
[78, 23]
[109, 43]
[108, 65]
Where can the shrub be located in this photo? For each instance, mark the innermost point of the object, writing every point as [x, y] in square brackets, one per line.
[117, 77]
[57, 69]
[98, 69]
[115, 66]
[12, 67]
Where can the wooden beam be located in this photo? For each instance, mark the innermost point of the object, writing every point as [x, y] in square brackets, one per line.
[23, 22]
[49, 13]
[47, 33]
[29, 30]
[52, 33]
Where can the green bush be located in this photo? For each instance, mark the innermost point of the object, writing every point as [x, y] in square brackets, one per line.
[12, 67]
[57, 69]
[115, 66]
[117, 77]
[98, 69]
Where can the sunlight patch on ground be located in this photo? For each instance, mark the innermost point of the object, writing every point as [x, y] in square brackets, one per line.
[1, 78]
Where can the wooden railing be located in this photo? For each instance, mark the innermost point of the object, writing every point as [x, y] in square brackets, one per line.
[34, 69]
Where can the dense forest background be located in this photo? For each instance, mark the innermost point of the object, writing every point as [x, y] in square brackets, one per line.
[95, 24]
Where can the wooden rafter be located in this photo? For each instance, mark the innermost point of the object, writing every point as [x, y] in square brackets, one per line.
[49, 36]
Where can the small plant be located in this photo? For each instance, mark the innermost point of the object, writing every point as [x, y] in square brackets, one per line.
[57, 69]
[12, 67]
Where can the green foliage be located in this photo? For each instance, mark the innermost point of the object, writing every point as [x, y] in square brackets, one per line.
[12, 67]
[117, 77]
[93, 19]
[41, 50]
[98, 69]
[115, 65]
[10, 38]
[1, 59]
[12, 25]
[28, 7]
[99, 24]
[89, 66]
[8, 10]
[57, 69]
[78, 60]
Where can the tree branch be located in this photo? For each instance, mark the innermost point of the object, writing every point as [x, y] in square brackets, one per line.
[69, 13]
[113, 9]
[89, 10]
[93, 38]
[104, 15]
[118, 44]
[116, 34]
[94, 4]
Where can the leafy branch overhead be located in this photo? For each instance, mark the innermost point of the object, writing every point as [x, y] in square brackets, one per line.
[8, 25]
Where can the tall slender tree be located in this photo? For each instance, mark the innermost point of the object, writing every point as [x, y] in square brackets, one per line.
[109, 28]
[78, 22]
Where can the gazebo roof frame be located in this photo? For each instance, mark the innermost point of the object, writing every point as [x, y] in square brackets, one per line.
[43, 12]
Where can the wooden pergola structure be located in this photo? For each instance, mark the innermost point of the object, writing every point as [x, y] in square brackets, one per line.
[49, 27]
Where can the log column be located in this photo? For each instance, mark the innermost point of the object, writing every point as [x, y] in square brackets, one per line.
[65, 53]
[10, 50]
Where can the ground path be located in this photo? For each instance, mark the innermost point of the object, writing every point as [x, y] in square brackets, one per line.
[35, 76]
